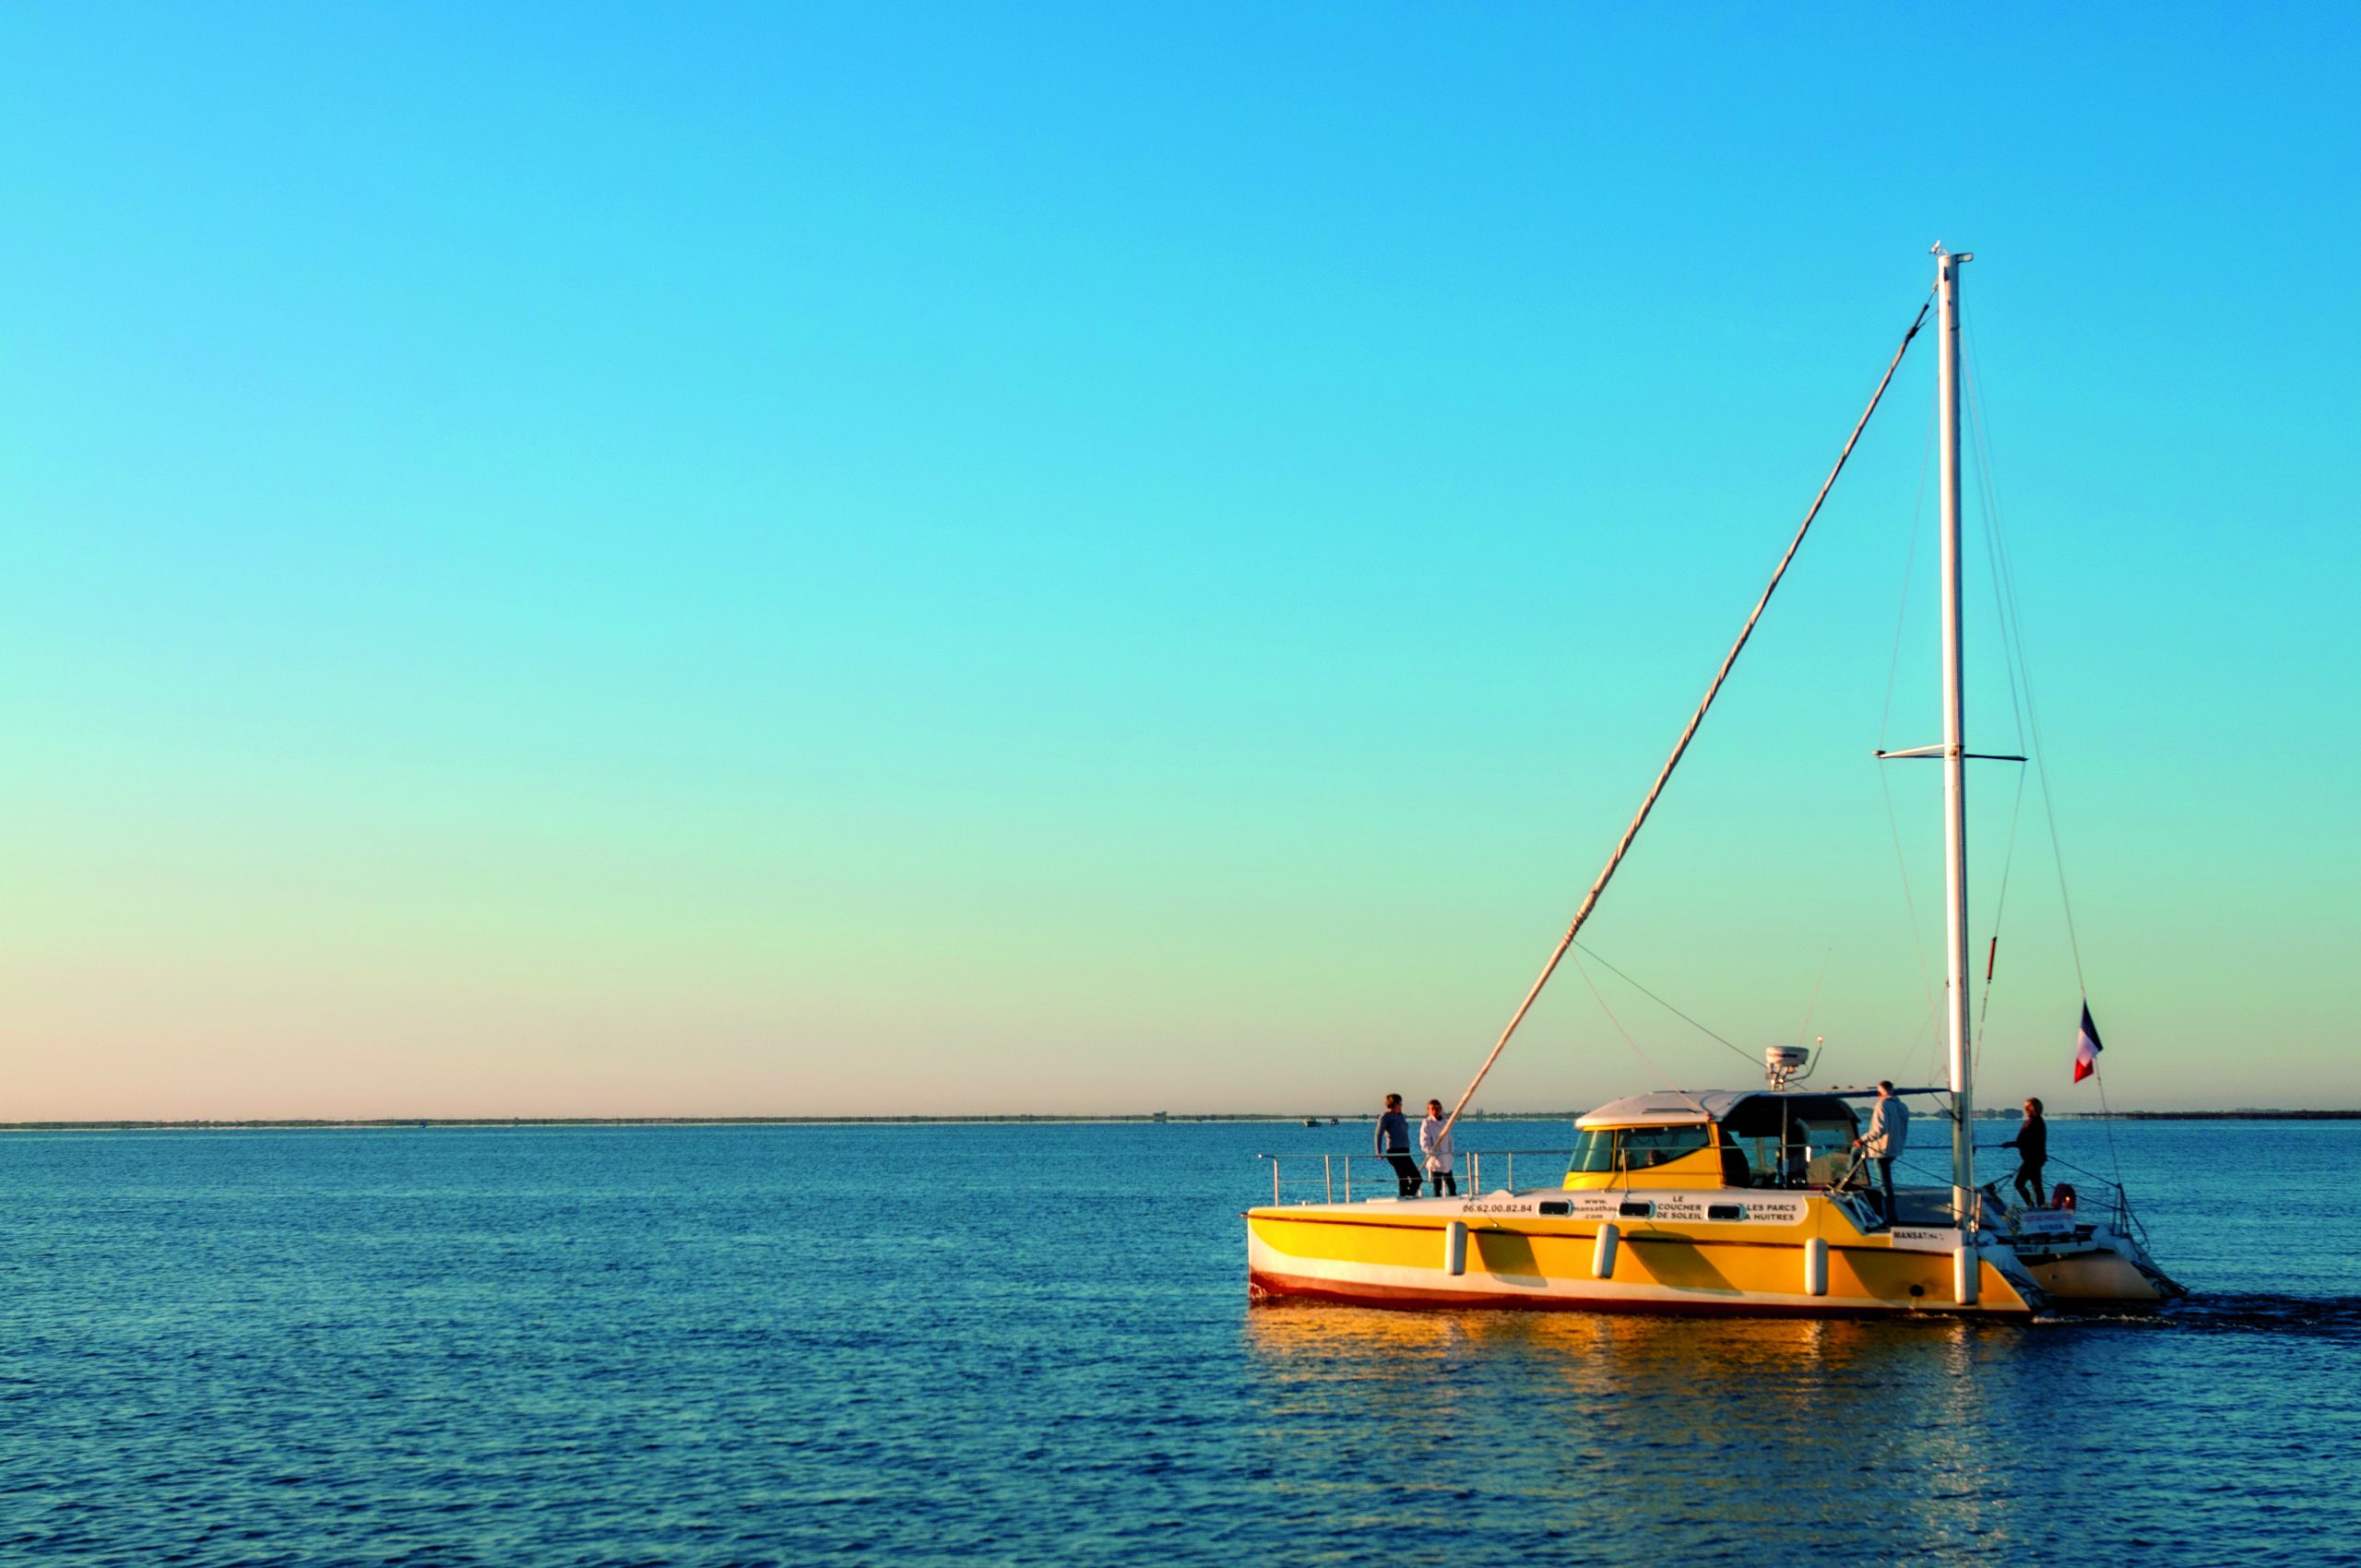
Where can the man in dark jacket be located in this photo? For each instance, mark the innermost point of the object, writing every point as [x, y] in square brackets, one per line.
[2031, 1144]
[1394, 1142]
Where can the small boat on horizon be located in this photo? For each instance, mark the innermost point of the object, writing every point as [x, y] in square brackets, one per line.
[1743, 1201]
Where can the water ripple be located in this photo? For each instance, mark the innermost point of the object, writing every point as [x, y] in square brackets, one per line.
[722, 1346]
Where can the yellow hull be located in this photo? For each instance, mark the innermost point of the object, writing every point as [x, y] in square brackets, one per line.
[1798, 1253]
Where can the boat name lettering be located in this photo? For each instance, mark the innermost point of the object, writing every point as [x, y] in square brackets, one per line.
[1913, 1238]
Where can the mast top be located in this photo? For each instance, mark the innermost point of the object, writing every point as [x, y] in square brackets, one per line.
[1936, 250]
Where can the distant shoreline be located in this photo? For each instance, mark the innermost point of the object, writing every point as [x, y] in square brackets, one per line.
[1150, 1119]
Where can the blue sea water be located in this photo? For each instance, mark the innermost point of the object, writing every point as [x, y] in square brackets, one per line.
[1032, 1344]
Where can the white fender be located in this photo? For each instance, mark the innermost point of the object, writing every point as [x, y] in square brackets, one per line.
[1454, 1247]
[1602, 1258]
[1816, 1266]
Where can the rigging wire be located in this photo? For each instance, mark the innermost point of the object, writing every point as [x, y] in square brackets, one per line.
[2000, 905]
[2005, 616]
[1817, 987]
[1659, 1001]
[2004, 604]
[1885, 718]
[1909, 573]
[1910, 906]
[2015, 630]
[1636, 1050]
[1680, 747]
[2033, 731]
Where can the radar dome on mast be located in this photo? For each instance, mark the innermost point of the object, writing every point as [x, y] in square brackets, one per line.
[1782, 1064]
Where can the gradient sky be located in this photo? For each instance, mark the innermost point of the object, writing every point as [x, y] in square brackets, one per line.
[868, 558]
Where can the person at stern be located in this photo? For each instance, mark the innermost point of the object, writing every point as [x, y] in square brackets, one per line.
[2031, 1144]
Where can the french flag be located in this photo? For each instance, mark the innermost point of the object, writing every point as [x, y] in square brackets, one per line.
[2086, 1047]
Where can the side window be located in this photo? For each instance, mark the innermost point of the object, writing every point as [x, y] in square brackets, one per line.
[1594, 1151]
[1648, 1147]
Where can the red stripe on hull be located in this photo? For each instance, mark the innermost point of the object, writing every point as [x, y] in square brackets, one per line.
[1273, 1287]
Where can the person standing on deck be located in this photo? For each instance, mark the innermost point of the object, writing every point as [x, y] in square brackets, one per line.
[1888, 1130]
[2031, 1144]
[1393, 1143]
[1434, 1142]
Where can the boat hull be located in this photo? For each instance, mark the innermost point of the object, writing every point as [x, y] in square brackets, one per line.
[1806, 1258]
[2106, 1275]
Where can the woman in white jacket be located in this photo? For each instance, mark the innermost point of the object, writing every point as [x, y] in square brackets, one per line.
[1435, 1143]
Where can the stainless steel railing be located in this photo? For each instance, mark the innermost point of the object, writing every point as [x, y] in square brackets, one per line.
[1353, 1178]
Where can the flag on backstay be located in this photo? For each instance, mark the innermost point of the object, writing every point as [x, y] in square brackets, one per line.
[2086, 1047]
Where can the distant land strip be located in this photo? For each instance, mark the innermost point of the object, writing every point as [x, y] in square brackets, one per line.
[259, 1123]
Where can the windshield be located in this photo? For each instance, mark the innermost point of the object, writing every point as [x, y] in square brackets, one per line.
[1600, 1149]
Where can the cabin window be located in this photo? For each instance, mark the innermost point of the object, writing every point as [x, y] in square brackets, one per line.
[1645, 1146]
[1602, 1150]
[1789, 1140]
[1594, 1151]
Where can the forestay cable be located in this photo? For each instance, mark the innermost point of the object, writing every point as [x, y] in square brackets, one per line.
[1590, 899]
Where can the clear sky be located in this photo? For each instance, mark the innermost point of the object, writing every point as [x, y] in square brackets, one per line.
[873, 558]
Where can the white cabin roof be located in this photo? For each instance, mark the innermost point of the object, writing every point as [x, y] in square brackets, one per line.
[1690, 1108]
[1666, 1107]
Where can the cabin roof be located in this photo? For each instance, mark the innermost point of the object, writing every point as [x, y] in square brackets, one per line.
[1690, 1108]
[1666, 1107]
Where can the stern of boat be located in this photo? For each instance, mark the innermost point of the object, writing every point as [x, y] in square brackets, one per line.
[2088, 1261]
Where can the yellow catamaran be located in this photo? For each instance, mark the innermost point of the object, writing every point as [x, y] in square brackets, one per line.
[1739, 1201]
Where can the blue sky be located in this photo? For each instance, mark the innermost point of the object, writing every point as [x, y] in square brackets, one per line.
[877, 558]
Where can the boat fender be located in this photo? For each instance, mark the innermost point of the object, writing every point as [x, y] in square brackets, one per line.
[1816, 1266]
[1454, 1247]
[1602, 1258]
[1967, 1273]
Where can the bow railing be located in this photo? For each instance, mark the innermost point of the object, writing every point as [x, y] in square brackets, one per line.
[1357, 1178]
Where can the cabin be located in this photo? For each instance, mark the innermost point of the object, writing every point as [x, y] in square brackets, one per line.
[1714, 1138]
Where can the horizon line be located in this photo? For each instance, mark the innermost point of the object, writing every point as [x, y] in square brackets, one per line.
[300, 1123]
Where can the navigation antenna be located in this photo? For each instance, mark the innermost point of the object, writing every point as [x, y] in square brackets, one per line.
[1784, 1065]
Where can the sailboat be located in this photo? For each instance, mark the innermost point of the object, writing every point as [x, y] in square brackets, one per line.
[1749, 1201]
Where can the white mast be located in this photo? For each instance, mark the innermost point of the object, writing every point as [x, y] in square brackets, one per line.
[1954, 751]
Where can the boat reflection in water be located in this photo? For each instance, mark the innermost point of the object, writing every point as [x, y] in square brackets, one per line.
[1626, 1435]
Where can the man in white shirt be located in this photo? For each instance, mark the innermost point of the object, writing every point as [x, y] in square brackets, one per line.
[1435, 1143]
[1888, 1130]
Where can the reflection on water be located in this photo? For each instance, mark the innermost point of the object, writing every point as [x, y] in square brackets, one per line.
[1602, 1427]
[1731, 1439]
